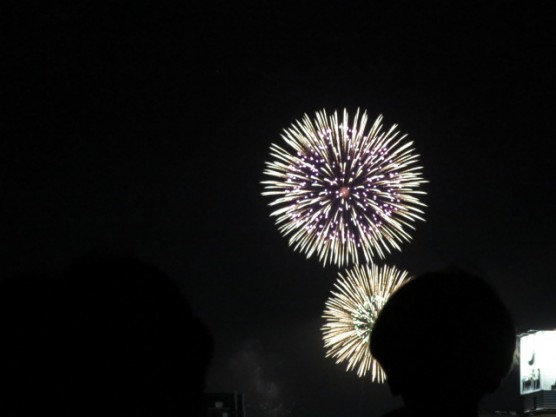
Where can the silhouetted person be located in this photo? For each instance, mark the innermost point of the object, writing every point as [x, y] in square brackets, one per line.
[109, 337]
[448, 324]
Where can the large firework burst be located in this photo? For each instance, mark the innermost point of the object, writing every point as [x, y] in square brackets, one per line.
[342, 189]
[351, 312]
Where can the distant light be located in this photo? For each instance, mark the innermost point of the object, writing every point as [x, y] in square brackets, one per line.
[537, 361]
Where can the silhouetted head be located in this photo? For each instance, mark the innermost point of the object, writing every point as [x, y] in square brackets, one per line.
[110, 336]
[444, 340]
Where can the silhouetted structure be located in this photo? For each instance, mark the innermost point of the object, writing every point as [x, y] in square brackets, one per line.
[223, 404]
[444, 340]
[109, 337]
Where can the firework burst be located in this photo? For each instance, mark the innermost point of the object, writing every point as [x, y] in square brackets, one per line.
[351, 312]
[342, 190]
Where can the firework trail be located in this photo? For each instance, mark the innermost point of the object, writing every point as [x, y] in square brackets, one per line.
[350, 314]
[342, 190]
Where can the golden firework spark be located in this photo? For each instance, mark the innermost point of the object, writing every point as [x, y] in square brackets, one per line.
[351, 312]
[342, 190]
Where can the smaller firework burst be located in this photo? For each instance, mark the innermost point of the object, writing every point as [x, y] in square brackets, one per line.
[350, 314]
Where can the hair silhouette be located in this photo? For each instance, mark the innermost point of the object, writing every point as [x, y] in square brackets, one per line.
[444, 340]
[110, 336]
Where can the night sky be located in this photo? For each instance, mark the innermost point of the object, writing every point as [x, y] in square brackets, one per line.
[143, 130]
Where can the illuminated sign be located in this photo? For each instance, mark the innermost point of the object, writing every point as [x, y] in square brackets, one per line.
[537, 365]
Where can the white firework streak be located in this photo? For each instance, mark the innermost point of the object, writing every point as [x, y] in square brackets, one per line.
[350, 314]
[342, 190]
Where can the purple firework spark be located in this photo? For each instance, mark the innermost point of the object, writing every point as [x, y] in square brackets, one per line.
[342, 190]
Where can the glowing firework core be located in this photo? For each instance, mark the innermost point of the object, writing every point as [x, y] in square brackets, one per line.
[365, 315]
[342, 189]
[344, 192]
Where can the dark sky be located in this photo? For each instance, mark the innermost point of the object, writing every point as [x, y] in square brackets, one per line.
[143, 129]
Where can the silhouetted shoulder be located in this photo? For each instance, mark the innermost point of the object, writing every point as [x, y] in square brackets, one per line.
[109, 336]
